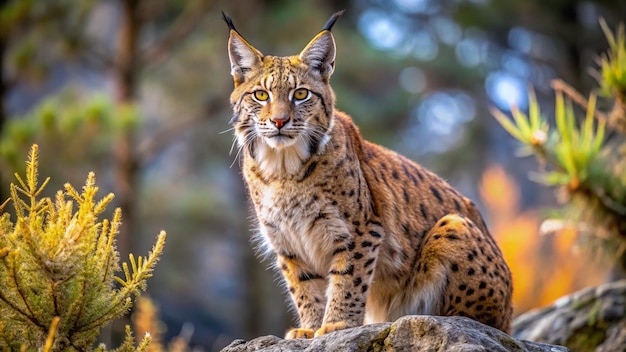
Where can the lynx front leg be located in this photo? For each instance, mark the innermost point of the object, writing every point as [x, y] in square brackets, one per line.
[307, 291]
[349, 278]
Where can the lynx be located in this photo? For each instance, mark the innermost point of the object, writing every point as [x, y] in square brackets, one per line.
[360, 234]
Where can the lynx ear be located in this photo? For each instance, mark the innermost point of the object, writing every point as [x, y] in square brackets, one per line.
[319, 54]
[243, 56]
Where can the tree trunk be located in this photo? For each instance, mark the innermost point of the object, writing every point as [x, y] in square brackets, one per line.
[3, 87]
[125, 73]
[3, 93]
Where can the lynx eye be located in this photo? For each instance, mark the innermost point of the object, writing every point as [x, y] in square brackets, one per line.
[261, 95]
[300, 94]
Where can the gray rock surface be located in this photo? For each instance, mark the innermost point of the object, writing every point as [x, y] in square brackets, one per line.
[592, 319]
[410, 333]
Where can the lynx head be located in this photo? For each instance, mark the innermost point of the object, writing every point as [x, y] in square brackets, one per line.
[283, 106]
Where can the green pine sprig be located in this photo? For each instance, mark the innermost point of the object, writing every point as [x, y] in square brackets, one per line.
[58, 265]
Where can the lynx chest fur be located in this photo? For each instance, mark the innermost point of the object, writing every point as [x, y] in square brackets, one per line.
[360, 233]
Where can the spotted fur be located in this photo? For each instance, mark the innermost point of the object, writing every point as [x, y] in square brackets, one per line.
[360, 233]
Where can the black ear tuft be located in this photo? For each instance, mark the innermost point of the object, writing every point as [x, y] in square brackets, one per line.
[229, 21]
[331, 21]
[243, 56]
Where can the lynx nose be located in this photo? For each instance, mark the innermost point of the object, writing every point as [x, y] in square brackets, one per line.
[280, 121]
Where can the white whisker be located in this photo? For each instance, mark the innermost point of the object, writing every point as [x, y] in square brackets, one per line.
[228, 130]
[250, 137]
[232, 146]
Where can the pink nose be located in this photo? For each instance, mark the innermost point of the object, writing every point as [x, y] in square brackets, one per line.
[280, 121]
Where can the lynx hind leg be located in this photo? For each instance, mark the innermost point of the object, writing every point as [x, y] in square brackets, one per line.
[478, 281]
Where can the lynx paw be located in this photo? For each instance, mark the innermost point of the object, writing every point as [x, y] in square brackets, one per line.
[325, 329]
[299, 334]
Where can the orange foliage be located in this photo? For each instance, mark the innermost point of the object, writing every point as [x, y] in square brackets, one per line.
[544, 267]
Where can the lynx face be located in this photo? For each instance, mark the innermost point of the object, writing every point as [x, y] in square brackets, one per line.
[282, 104]
[281, 107]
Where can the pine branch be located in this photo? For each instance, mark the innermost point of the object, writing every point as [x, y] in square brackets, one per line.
[150, 147]
[561, 86]
[161, 49]
[9, 303]
[53, 330]
[30, 314]
[58, 265]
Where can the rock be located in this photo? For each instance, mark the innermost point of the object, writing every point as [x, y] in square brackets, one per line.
[410, 333]
[360, 339]
[592, 319]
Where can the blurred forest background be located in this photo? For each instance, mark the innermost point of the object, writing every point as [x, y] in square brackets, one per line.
[137, 91]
